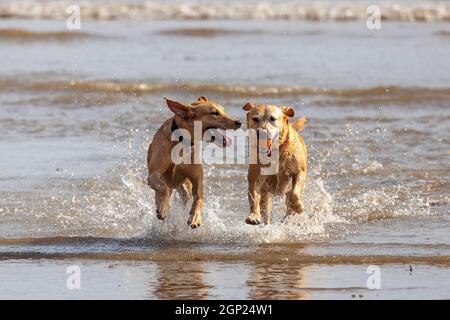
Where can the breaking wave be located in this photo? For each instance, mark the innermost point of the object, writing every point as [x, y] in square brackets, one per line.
[157, 10]
[371, 94]
[27, 35]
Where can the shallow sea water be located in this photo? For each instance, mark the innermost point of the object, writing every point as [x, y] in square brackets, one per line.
[78, 110]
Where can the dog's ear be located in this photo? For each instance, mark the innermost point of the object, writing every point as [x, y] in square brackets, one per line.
[202, 99]
[181, 110]
[288, 111]
[248, 106]
[299, 124]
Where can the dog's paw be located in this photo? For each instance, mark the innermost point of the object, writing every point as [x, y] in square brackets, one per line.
[301, 207]
[253, 219]
[287, 219]
[195, 225]
[159, 215]
[296, 205]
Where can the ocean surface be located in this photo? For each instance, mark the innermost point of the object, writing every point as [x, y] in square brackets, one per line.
[78, 109]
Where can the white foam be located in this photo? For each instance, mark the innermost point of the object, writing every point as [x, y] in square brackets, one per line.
[220, 226]
[258, 10]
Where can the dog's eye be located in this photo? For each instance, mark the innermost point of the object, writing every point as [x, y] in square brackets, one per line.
[273, 119]
[215, 113]
[255, 119]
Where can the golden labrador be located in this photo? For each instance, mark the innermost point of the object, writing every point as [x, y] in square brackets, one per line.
[187, 178]
[292, 155]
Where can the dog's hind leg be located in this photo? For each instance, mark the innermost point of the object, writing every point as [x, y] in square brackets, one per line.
[185, 191]
[294, 202]
[162, 199]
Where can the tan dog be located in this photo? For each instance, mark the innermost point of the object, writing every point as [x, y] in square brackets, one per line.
[292, 155]
[187, 179]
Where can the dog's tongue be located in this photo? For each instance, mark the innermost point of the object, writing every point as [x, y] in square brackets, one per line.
[265, 145]
[225, 140]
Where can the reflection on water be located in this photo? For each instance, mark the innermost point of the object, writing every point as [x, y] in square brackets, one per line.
[275, 281]
[181, 281]
[209, 280]
[200, 280]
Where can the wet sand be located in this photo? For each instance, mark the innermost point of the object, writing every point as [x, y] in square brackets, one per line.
[137, 268]
[46, 279]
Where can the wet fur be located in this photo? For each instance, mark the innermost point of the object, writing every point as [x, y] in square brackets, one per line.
[291, 176]
[163, 175]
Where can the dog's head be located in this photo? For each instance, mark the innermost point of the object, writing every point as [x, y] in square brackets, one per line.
[269, 121]
[211, 115]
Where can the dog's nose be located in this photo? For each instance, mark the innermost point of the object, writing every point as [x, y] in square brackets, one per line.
[238, 123]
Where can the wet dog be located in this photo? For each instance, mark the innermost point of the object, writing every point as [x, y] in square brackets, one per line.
[164, 174]
[289, 179]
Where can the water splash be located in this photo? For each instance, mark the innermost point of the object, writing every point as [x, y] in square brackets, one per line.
[120, 205]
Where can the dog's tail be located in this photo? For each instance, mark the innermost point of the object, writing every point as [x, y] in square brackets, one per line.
[299, 123]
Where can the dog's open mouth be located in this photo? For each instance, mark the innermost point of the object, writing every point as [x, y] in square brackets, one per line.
[266, 151]
[265, 146]
[217, 136]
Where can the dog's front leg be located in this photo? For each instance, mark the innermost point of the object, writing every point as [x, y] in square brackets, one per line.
[254, 198]
[162, 201]
[156, 168]
[266, 206]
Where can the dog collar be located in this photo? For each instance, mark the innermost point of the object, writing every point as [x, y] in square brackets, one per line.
[175, 127]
